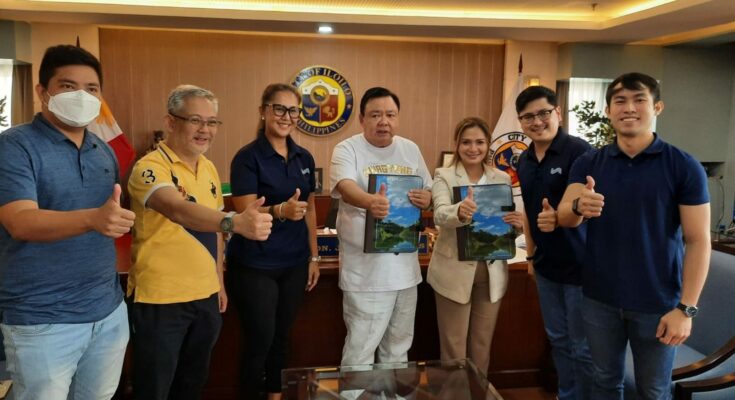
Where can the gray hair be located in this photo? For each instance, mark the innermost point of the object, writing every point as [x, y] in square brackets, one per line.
[182, 92]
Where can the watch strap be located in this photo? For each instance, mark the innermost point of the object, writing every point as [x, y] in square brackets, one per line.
[575, 209]
[689, 311]
[226, 223]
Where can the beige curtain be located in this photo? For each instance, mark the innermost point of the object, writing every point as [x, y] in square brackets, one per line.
[22, 96]
[562, 97]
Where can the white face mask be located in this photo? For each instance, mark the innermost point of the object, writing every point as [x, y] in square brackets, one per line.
[76, 109]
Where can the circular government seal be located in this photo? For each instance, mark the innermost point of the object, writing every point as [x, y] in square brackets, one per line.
[504, 153]
[326, 99]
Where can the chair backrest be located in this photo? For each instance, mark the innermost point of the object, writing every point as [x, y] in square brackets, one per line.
[332, 214]
[715, 323]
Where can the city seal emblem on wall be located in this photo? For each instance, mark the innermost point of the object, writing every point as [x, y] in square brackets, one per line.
[326, 98]
[504, 153]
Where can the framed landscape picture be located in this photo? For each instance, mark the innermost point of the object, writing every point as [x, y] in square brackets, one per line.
[399, 231]
[487, 237]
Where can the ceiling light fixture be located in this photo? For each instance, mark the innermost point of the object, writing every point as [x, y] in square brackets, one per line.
[325, 29]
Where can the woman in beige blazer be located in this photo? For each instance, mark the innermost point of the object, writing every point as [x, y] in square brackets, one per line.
[468, 293]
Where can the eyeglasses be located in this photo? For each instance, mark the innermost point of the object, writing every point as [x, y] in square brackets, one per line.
[280, 110]
[543, 115]
[198, 121]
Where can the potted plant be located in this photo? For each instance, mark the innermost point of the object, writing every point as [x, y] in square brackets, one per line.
[3, 118]
[593, 124]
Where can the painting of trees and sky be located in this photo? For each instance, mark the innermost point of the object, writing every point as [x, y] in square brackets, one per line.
[487, 237]
[399, 231]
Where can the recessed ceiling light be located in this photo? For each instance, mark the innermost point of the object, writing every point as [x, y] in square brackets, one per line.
[325, 29]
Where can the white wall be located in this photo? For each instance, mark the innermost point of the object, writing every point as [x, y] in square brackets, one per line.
[587, 60]
[696, 87]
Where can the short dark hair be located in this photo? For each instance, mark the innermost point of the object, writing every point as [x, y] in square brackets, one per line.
[532, 93]
[634, 81]
[377, 92]
[63, 55]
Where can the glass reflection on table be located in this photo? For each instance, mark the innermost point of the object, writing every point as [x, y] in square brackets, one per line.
[450, 380]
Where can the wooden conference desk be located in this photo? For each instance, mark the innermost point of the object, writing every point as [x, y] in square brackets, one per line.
[519, 357]
[520, 354]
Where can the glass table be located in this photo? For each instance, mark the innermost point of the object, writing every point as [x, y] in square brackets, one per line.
[422, 380]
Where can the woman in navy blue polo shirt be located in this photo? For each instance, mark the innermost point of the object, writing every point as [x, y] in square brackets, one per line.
[267, 279]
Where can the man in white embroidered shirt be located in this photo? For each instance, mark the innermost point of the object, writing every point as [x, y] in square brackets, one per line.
[379, 290]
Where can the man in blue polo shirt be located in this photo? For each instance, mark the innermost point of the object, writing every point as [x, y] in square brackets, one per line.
[642, 197]
[63, 318]
[554, 253]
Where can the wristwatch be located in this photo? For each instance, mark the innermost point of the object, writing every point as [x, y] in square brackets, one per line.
[689, 311]
[315, 258]
[226, 225]
[575, 209]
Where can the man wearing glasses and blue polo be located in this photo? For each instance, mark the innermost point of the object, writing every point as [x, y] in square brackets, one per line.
[176, 281]
[554, 253]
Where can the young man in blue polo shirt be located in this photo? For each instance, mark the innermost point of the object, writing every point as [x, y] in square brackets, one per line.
[642, 197]
[63, 316]
[555, 253]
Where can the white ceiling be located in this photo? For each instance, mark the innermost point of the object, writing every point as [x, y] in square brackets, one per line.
[661, 22]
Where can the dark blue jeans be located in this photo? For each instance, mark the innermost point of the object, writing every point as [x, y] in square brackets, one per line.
[608, 332]
[561, 310]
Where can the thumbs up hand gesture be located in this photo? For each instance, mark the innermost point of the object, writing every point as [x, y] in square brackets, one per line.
[590, 203]
[379, 204]
[467, 207]
[252, 223]
[546, 220]
[112, 220]
[294, 209]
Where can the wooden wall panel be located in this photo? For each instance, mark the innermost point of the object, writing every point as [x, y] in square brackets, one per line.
[438, 83]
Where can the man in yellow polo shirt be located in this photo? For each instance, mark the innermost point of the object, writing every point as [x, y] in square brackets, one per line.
[176, 279]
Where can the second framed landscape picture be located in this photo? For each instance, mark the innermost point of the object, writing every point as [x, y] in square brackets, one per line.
[487, 237]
